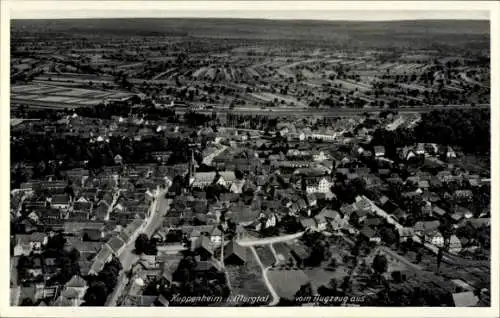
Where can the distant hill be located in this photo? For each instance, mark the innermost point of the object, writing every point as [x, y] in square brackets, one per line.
[450, 32]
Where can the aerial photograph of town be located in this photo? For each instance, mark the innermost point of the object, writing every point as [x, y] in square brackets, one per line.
[231, 162]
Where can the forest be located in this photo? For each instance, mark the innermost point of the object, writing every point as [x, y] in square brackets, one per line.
[468, 130]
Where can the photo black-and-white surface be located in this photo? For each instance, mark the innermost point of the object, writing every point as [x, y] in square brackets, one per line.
[243, 159]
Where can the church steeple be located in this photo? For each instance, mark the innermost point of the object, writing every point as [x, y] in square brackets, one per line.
[192, 164]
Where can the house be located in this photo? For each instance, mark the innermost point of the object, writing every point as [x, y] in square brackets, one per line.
[23, 245]
[203, 179]
[311, 199]
[379, 151]
[320, 156]
[422, 228]
[347, 210]
[234, 254]
[322, 186]
[59, 201]
[465, 299]
[237, 186]
[321, 222]
[92, 234]
[309, 223]
[104, 256]
[216, 235]
[455, 245]
[423, 184]
[38, 240]
[100, 211]
[420, 149]
[450, 153]
[337, 223]
[462, 195]
[405, 233]
[118, 159]
[33, 216]
[463, 212]
[203, 246]
[435, 237]
[78, 285]
[206, 266]
[116, 244]
[438, 211]
[373, 222]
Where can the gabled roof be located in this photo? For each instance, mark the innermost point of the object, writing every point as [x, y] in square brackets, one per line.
[236, 249]
[379, 148]
[38, 237]
[205, 243]
[426, 226]
[329, 214]
[405, 231]
[438, 210]
[206, 265]
[308, 222]
[104, 253]
[76, 281]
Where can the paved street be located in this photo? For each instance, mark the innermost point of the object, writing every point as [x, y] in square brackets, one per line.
[159, 209]
[270, 240]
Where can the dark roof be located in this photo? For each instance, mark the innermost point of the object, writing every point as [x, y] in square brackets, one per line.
[204, 242]
[202, 266]
[236, 249]
[374, 221]
[368, 232]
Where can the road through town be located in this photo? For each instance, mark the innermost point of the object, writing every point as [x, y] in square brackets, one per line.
[127, 257]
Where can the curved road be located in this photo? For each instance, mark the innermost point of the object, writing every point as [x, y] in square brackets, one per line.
[270, 240]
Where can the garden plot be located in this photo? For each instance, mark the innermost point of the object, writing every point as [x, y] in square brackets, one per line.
[268, 97]
[27, 88]
[286, 283]
[266, 255]
[247, 279]
[49, 90]
[53, 99]
[350, 85]
[283, 252]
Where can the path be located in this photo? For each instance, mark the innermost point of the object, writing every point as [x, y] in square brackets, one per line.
[270, 240]
[270, 287]
[127, 256]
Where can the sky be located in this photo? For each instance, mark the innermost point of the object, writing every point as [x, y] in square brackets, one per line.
[313, 10]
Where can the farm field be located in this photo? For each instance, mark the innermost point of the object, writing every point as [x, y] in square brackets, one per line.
[287, 282]
[247, 279]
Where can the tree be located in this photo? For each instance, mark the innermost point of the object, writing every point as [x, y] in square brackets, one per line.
[418, 257]
[96, 294]
[389, 235]
[141, 243]
[379, 264]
